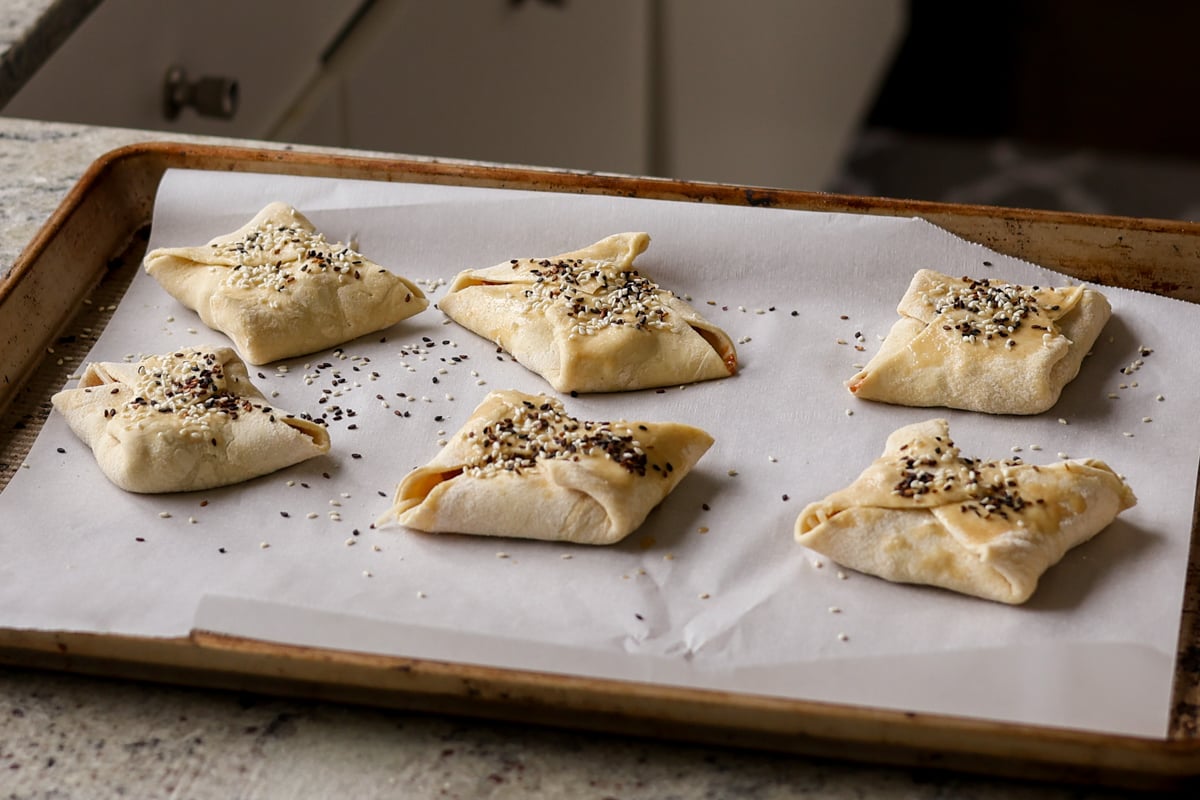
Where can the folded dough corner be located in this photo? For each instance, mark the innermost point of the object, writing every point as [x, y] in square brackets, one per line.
[184, 421]
[983, 345]
[522, 467]
[923, 513]
[277, 288]
[589, 321]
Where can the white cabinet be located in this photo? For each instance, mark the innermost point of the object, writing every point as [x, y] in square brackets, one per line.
[111, 71]
[769, 92]
[533, 82]
[766, 92]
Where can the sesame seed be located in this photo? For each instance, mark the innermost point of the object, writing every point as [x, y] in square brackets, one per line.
[843, 637]
[421, 595]
[263, 545]
[1062, 421]
[1127, 434]
[164, 514]
[849, 412]
[704, 595]
[1063, 455]
[1147, 419]
[834, 610]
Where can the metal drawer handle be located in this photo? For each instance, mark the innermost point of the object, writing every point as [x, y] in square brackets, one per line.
[210, 96]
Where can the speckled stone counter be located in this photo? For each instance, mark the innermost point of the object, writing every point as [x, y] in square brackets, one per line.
[66, 736]
[30, 32]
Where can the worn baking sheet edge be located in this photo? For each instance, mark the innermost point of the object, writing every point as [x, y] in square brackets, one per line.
[115, 198]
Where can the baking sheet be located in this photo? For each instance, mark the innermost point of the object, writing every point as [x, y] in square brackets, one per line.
[719, 598]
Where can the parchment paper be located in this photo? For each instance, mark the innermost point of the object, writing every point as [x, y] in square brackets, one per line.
[712, 591]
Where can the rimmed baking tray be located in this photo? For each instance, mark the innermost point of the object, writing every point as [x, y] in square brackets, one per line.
[92, 244]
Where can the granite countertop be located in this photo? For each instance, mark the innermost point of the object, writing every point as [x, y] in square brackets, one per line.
[73, 736]
[30, 32]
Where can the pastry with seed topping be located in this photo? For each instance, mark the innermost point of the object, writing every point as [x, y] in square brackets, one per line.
[983, 345]
[184, 421]
[277, 288]
[522, 467]
[588, 321]
[924, 513]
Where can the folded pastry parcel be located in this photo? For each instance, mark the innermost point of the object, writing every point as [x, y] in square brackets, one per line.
[183, 421]
[588, 321]
[279, 289]
[983, 345]
[522, 467]
[923, 513]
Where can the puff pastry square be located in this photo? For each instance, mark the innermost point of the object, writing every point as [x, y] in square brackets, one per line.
[923, 513]
[588, 321]
[277, 288]
[183, 421]
[522, 467]
[983, 345]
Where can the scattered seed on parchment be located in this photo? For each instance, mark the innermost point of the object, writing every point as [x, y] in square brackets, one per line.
[502, 554]
[704, 595]
[1147, 419]
[834, 610]
[350, 542]
[1063, 455]
[773, 459]
[421, 595]
[312, 515]
[264, 545]
[849, 412]
[1127, 434]
[733, 473]
[1035, 447]
[702, 529]
[367, 573]
[566, 556]
[841, 575]
[1160, 398]
[164, 514]
[843, 637]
